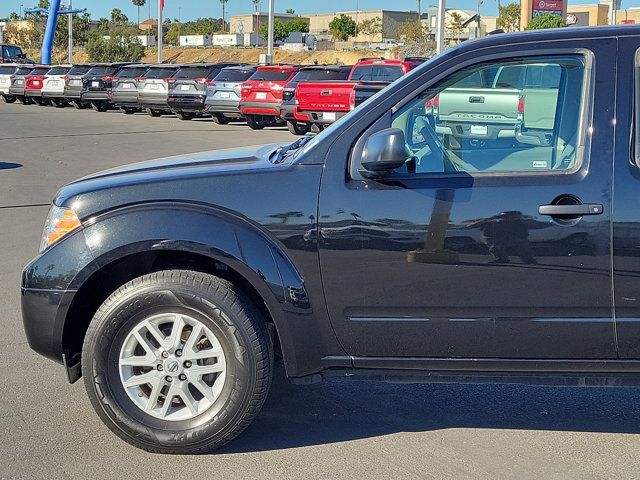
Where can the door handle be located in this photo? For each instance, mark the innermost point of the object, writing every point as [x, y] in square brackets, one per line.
[574, 210]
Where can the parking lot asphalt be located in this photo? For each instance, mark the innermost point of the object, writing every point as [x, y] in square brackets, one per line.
[333, 430]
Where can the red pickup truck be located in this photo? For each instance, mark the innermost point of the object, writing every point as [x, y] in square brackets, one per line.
[322, 103]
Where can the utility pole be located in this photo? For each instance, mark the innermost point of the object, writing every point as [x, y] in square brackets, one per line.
[160, 31]
[419, 10]
[70, 7]
[440, 36]
[271, 40]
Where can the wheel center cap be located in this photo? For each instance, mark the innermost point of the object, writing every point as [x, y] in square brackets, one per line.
[172, 366]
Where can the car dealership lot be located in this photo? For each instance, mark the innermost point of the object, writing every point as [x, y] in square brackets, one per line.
[333, 430]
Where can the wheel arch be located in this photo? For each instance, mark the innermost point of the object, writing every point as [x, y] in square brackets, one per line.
[199, 239]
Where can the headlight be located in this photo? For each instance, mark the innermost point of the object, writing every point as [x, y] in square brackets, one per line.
[60, 222]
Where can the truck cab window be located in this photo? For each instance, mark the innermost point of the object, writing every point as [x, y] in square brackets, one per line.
[520, 115]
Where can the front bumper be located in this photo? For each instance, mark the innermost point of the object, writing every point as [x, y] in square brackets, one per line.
[260, 108]
[49, 285]
[184, 103]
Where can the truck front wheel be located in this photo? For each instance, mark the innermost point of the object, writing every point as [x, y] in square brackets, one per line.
[177, 362]
[299, 128]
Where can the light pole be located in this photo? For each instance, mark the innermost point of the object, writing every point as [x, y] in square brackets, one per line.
[440, 37]
[70, 18]
[271, 40]
[160, 31]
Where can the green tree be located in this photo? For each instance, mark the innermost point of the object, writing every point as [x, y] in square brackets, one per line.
[123, 46]
[546, 20]
[412, 31]
[117, 17]
[370, 27]
[282, 30]
[456, 25]
[509, 17]
[139, 3]
[342, 27]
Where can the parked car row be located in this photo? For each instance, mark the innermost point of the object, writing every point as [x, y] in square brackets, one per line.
[302, 97]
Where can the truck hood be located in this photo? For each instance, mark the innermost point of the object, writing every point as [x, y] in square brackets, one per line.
[166, 171]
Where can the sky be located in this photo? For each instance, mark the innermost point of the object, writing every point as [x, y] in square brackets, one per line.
[190, 9]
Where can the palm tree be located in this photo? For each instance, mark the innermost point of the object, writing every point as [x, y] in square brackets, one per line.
[224, 3]
[117, 17]
[256, 4]
[139, 3]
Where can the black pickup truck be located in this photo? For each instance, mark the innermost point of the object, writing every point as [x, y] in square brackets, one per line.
[382, 248]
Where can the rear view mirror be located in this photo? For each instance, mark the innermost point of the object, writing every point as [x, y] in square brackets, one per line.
[383, 152]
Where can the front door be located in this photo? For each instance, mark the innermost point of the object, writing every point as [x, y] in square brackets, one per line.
[493, 240]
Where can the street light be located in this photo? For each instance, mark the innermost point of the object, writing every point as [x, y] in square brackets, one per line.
[271, 36]
[440, 37]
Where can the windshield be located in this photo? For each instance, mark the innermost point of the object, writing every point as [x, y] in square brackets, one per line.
[271, 75]
[58, 71]
[80, 70]
[7, 70]
[377, 73]
[132, 72]
[99, 71]
[192, 73]
[160, 73]
[234, 75]
[320, 74]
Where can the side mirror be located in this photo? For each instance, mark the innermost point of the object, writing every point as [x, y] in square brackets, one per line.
[22, 56]
[383, 152]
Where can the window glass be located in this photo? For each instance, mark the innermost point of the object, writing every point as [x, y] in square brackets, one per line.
[271, 75]
[99, 71]
[7, 70]
[233, 75]
[134, 72]
[40, 71]
[524, 115]
[58, 71]
[319, 74]
[156, 73]
[192, 73]
[24, 71]
[377, 73]
[79, 70]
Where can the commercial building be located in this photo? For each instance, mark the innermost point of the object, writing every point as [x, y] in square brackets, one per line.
[390, 20]
[251, 23]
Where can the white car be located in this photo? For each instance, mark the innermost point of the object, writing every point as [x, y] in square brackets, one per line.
[6, 74]
[53, 86]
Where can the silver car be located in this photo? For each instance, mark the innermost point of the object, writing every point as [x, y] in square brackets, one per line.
[225, 92]
[153, 89]
[6, 74]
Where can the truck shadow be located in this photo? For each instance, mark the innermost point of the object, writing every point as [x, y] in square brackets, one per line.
[342, 410]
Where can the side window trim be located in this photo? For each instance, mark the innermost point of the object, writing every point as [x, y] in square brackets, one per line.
[584, 127]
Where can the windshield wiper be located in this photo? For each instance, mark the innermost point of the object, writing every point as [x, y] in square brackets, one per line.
[283, 152]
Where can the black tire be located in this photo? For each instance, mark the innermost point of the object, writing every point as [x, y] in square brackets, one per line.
[185, 115]
[99, 107]
[299, 128]
[254, 123]
[220, 119]
[59, 103]
[154, 113]
[128, 111]
[9, 99]
[226, 311]
[79, 105]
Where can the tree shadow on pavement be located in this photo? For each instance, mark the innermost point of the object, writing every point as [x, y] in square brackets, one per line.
[342, 410]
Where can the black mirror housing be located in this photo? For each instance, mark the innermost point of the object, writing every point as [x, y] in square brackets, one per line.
[383, 152]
